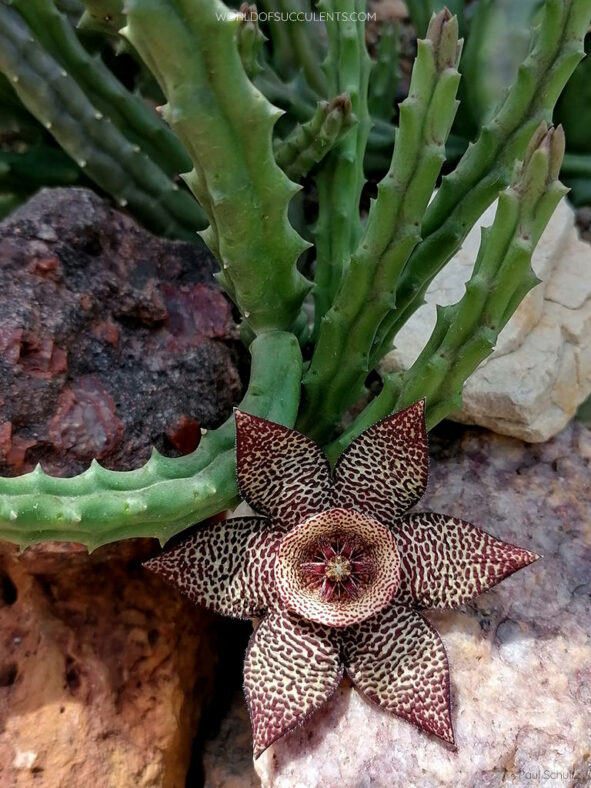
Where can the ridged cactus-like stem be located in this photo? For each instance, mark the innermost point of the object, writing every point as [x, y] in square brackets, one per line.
[466, 332]
[119, 167]
[339, 366]
[166, 495]
[486, 166]
[102, 16]
[385, 74]
[37, 167]
[421, 11]
[226, 125]
[250, 40]
[299, 103]
[126, 110]
[296, 43]
[340, 178]
[310, 142]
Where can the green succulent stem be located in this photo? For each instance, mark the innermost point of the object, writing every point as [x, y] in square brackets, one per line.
[385, 74]
[486, 166]
[165, 495]
[308, 143]
[250, 40]
[102, 16]
[126, 110]
[226, 125]
[37, 167]
[293, 96]
[421, 12]
[465, 333]
[577, 164]
[340, 364]
[340, 178]
[306, 45]
[224, 97]
[296, 43]
[283, 55]
[117, 165]
[299, 103]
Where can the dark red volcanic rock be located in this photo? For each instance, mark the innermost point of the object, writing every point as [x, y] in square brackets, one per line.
[111, 340]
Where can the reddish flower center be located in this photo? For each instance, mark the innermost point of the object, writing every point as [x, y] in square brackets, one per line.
[337, 567]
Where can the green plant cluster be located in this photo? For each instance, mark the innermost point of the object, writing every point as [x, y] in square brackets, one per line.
[323, 285]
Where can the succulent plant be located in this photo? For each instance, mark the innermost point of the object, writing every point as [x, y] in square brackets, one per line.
[339, 569]
[362, 280]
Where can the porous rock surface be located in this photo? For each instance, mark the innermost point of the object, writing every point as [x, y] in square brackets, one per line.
[111, 340]
[520, 655]
[540, 370]
[103, 671]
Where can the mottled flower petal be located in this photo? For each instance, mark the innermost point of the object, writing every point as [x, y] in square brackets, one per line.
[384, 471]
[281, 473]
[446, 561]
[292, 667]
[228, 566]
[398, 661]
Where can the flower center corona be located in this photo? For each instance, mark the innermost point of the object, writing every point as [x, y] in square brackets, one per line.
[337, 567]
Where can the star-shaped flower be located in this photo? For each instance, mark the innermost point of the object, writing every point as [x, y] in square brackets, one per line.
[339, 571]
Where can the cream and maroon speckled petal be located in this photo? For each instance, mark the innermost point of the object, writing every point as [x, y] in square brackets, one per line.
[374, 592]
[446, 562]
[281, 473]
[398, 661]
[228, 566]
[292, 667]
[384, 471]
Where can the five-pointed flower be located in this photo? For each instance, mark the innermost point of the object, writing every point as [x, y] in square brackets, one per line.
[339, 570]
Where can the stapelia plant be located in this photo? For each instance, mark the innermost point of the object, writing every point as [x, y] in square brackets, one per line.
[339, 569]
[316, 321]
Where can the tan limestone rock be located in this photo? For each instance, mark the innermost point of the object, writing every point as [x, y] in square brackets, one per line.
[540, 370]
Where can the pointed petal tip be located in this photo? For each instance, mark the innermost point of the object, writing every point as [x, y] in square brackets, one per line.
[242, 414]
[247, 421]
[414, 412]
[524, 558]
[259, 749]
[152, 564]
[449, 737]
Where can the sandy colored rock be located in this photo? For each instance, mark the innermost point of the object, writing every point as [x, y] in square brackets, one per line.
[540, 370]
[520, 655]
[103, 671]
